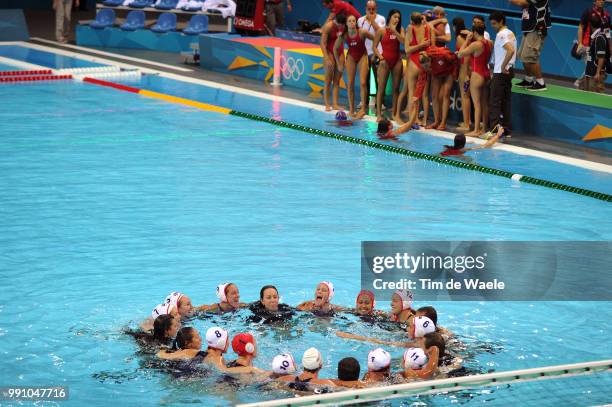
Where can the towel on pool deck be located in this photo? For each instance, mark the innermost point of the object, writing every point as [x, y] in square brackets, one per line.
[192, 5]
[227, 8]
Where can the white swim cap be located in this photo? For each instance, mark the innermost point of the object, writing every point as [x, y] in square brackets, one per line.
[330, 288]
[221, 291]
[378, 359]
[406, 296]
[283, 364]
[414, 358]
[422, 326]
[217, 338]
[169, 304]
[312, 359]
[161, 309]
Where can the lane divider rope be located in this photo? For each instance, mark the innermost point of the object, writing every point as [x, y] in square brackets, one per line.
[27, 73]
[356, 140]
[34, 78]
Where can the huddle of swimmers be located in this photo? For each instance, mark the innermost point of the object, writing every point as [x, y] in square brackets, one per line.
[425, 353]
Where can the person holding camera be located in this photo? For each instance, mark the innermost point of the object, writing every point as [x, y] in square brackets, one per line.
[534, 25]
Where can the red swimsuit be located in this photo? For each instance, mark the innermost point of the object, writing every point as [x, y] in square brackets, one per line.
[390, 48]
[480, 64]
[414, 57]
[356, 46]
[334, 33]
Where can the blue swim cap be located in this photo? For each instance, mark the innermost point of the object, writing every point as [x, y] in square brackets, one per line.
[341, 116]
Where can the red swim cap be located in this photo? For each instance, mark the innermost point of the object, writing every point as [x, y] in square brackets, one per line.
[243, 344]
[368, 294]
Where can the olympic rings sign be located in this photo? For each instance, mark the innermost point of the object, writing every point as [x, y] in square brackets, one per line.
[292, 68]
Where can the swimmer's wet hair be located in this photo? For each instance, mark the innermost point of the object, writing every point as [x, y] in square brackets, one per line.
[161, 324]
[435, 339]
[341, 19]
[383, 126]
[348, 369]
[431, 313]
[184, 337]
[264, 288]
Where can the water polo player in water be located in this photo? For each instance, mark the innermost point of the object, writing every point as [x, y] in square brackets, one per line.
[176, 303]
[321, 304]
[268, 308]
[165, 328]
[229, 300]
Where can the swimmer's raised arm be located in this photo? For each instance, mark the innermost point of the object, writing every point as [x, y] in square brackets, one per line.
[175, 355]
[305, 306]
[347, 335]
[243, 370]
[491, 141]
[147, 324]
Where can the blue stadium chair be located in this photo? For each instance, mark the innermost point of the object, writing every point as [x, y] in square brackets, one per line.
[141, 3]
[112, 3]
[197, 25]
[165, 23]
[104, 18]
[166, 4]
[135, 20]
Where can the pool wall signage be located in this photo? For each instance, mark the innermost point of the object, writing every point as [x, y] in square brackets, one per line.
[495, 271]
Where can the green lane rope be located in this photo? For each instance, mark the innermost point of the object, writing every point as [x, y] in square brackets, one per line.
[425, 156]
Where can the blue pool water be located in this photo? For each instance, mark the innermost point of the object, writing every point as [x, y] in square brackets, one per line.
[111, 200]
[6, 67]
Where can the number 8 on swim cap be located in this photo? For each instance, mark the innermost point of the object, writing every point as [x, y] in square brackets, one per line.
[217, 338]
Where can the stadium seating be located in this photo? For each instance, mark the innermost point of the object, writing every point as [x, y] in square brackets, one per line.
[197, 25]
[135, 20]
[112, 3]
[104, 18]
[165, 23]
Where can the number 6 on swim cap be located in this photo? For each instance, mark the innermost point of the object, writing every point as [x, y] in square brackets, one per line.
[422, 326]
[217, 338]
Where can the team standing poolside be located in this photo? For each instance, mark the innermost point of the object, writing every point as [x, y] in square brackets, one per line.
[425, 357]
[373, 42]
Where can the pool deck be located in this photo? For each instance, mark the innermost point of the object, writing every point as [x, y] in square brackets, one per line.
[172, 63]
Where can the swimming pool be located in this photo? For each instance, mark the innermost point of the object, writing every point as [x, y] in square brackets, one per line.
[111, 200]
